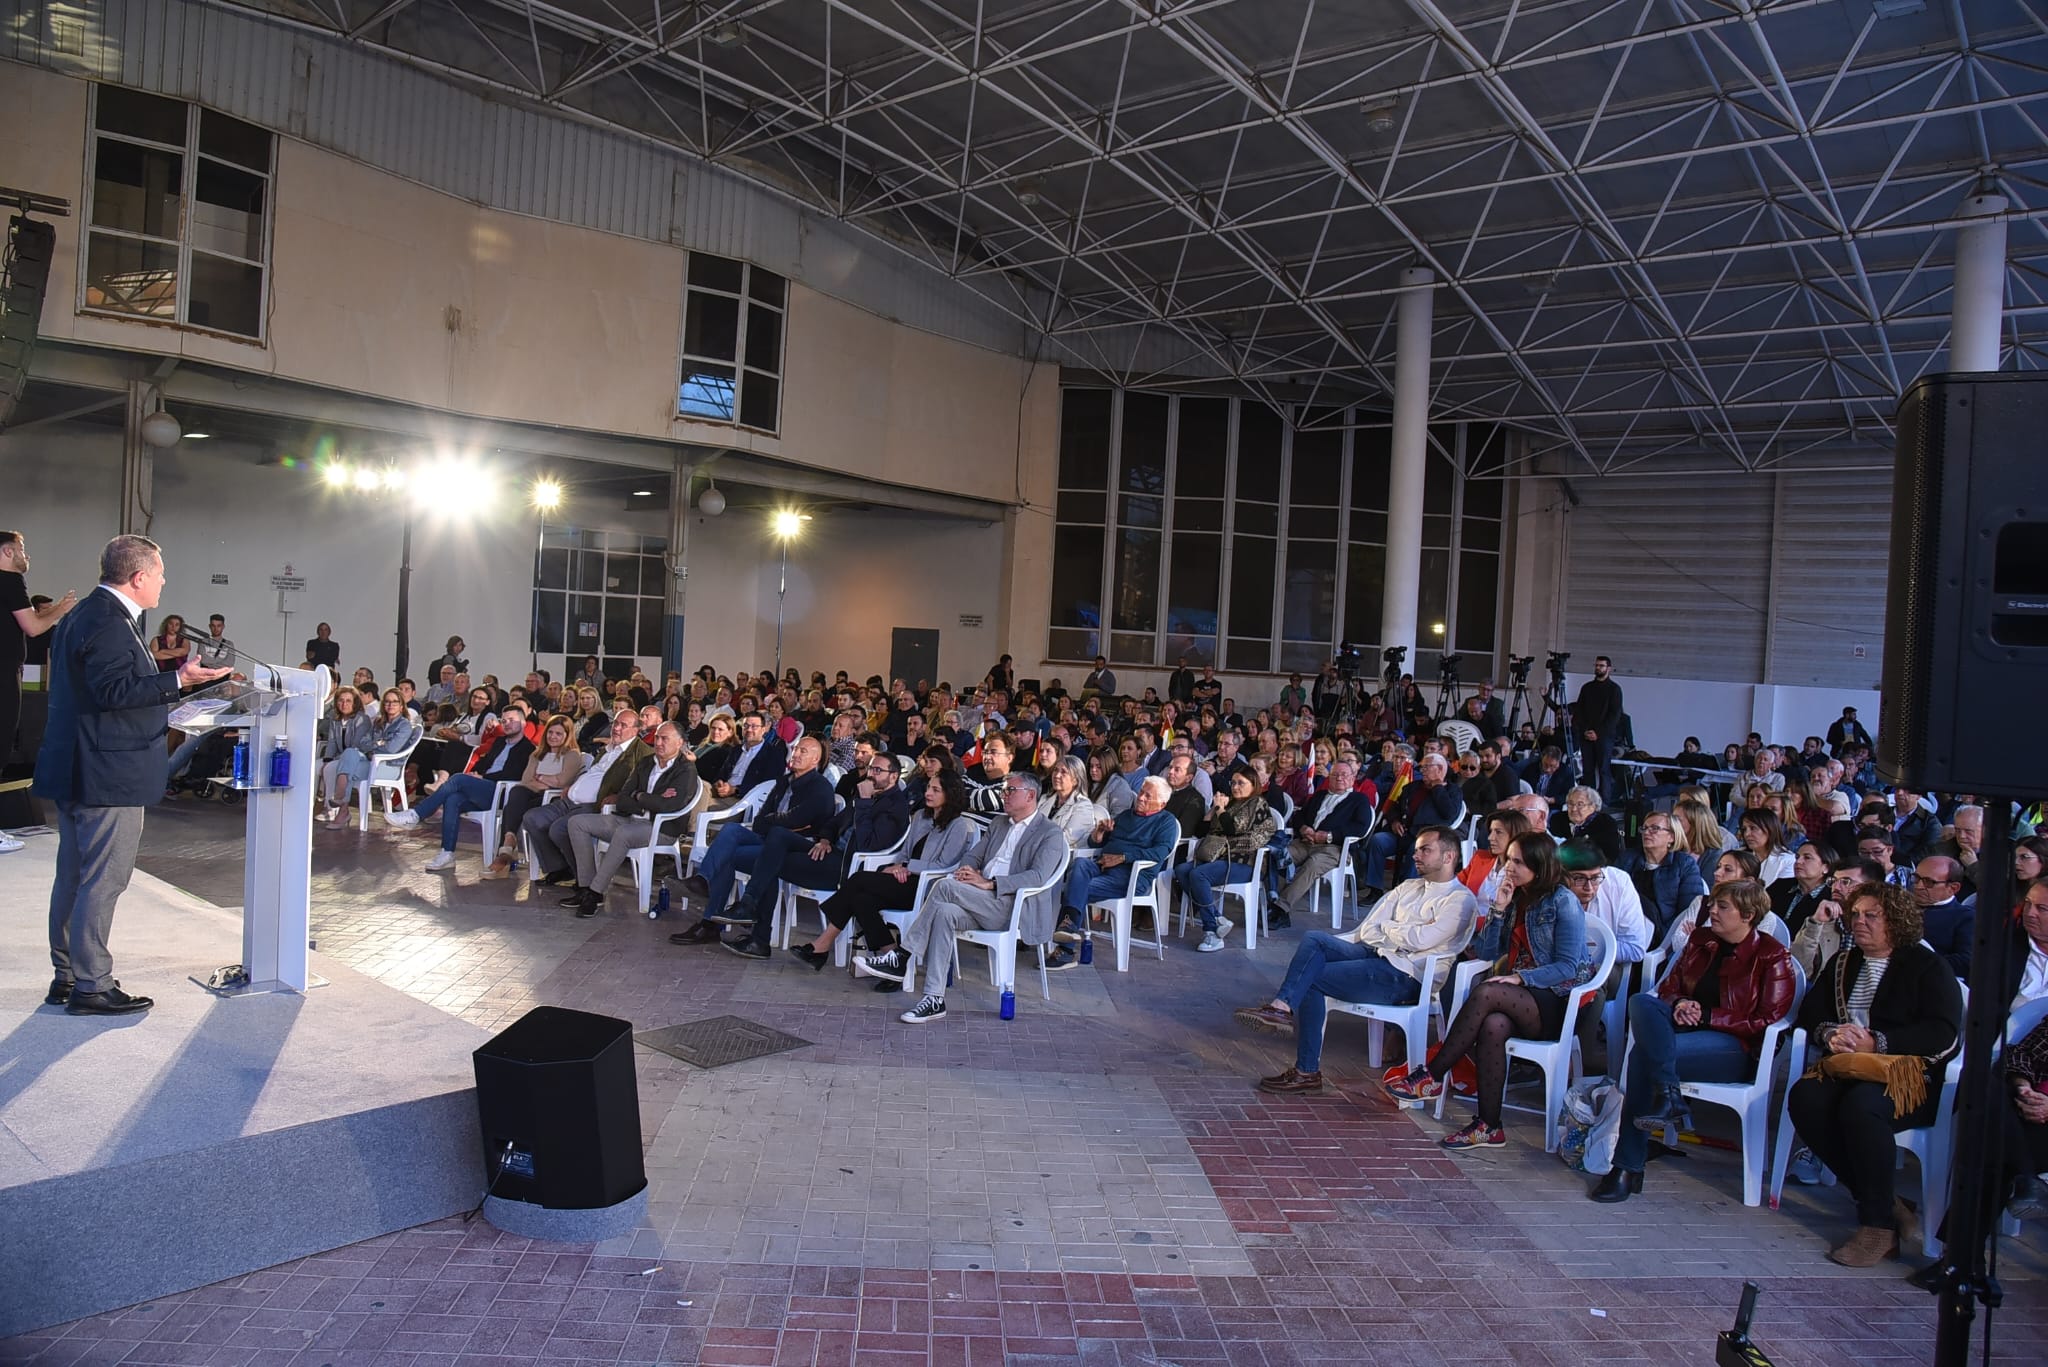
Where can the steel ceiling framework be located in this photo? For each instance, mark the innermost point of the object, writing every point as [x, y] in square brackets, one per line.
[1665, 230]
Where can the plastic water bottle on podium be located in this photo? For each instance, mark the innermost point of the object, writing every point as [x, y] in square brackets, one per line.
[240, 768]
[280, 764]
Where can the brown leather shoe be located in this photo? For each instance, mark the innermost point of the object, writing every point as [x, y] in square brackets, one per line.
[1906, 1221]
[1293, 1082]
[1867, 1247]
[1266, 1017]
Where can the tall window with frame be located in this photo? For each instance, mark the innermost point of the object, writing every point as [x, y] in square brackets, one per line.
[599, 593]
[178, 225]
[1077, 539]
[733, 315]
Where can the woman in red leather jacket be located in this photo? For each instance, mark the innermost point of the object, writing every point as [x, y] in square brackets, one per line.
[1704, 1023]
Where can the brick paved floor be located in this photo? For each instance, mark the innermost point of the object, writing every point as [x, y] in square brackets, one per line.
[1094, 1184]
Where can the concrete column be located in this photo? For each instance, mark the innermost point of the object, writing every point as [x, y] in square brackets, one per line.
[1411, 435]
[679, 563]
[1978, 296]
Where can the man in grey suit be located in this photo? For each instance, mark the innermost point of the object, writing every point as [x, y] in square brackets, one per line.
[1021, 850]
[103, 761]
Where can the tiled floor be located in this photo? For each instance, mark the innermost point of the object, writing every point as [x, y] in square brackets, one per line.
[1093, 1183]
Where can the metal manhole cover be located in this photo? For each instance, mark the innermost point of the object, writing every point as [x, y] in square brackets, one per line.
[720, 1040]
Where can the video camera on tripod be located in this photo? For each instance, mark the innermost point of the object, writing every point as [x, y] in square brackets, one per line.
[1555, 662]
[1518, 670]
[1347, 659]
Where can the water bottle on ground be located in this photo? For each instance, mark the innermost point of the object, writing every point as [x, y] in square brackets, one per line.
[1009, 1005]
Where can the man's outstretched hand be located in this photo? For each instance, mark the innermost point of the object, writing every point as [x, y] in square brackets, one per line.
[192, 674]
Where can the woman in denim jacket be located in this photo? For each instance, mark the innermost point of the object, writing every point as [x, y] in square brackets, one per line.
[1536, 935]
[394, 730]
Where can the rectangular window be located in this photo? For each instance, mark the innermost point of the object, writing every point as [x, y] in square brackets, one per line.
[598, 593]
[178, 225]
[733, 325]
[1141, 506]
[1078, 537]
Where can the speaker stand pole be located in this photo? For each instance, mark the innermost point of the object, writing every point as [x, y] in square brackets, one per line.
[1979, 1128]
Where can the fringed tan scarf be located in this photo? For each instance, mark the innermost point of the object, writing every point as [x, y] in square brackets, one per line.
[1904, 1076]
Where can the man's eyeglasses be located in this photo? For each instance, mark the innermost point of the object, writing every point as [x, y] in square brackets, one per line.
[1585, 880]
[1013, 790]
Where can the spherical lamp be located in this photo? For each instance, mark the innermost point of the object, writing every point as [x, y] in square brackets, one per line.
[161, 430]
[711, 502]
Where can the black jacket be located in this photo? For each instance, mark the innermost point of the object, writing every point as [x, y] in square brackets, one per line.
[1599, 708]
[1352, 816]
[675, 790]
[810, 804]
[770, 763]
[103, 744]
[1918, 1007]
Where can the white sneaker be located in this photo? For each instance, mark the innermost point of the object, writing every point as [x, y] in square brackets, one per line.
[8, 844]
[1211, 942]
[404, 819]
[445, 859]
[1224, 925]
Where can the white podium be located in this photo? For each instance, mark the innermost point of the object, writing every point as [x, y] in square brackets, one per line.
[278, 855]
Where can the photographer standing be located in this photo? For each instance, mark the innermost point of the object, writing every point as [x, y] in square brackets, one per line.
[1597, 714]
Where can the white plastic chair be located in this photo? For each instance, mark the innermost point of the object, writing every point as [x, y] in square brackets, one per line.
[526, 841]
[783, 930]
[1123, 910]
[1002, 945]
[1413, 1020]
[489, 818]
[1932, 1145]
[900, 920]
[1665, 952]
[1340, 884]
[666, 839]
[1251, 893]
[1558, 1059]
[1751, 1100]
[2017, 1027]
[747, 808]
[387, 775]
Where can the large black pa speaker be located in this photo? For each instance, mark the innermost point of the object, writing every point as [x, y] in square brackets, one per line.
[1966, 615]
[560, 1111]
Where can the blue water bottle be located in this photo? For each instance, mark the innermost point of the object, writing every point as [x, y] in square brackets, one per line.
[280, 765]
[660, 907]
[1087, 946]
[241, 763]
[1009, 1004]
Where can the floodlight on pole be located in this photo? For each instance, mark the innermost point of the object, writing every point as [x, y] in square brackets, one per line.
[788, 524]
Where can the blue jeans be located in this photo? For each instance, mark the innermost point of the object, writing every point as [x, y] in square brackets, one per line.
[1199, 883]
[1381, 846]
[732, 851]
[181, 758]
[1086, 883]
[784, 857]
[1327, 965]
[1663, 1056]
[462, 793]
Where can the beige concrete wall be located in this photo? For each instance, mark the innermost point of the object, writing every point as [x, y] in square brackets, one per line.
[385, 288]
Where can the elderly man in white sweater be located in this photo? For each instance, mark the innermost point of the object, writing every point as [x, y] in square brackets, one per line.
[1380, 961]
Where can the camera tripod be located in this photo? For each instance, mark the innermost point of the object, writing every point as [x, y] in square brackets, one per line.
[1554, 700]
[1450, 693]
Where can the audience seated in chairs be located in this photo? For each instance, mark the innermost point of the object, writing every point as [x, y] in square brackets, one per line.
[1703, 1023]
[1583, 818]
[1763, 835]
[346, 730]
[1066, 804]
[1536, 937]
[799, 806]
[1666, 875]
[1020, 850]
[874, 819]
[661, 783]
[1238, 825]
[1379, 961]
[500, 755]
[1321, 826]
[552, 768]
[547, 827]
[1101, 870]
[761, 758]
[1484, 870]
[938, 838]
[1428, 800]
[1107, 787]
[1886, 1014]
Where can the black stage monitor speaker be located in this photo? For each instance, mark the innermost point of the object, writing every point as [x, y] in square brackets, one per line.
[560, 1111]
[1966, 616]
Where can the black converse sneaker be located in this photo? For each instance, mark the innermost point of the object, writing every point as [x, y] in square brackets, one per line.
[927, 1009]
[891, 964]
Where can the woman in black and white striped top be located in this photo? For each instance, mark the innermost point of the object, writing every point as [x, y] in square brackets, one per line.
[1885, 994]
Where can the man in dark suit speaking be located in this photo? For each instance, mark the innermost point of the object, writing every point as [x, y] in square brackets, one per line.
[103, 760]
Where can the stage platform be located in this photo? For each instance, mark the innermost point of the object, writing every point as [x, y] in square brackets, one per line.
[210, 1136]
